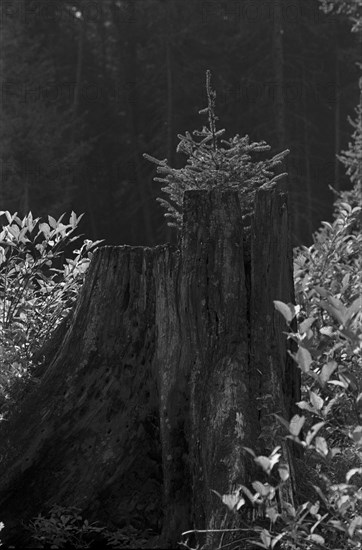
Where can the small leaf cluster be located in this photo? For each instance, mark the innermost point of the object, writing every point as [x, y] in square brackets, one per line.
[38, 286]
[214, 162]
[333, 260]
[64, 527]
[351, 8]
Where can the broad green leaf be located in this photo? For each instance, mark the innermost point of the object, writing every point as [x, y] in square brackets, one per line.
[356, 522]
[335, 302]
[275, 451]
[322, 291]
[326, 372]
[266, 538]
[356, 435]
[305, 406]
[316, 400]
[328, 225]
[264, 489]
[312, 432]
[73, 220]
[355, 307]
[327, 331]
[283, 472]
[232, 500]
[296, 424]
[52, 222]
[14, 230]
[240, 503]
[271, 512]
[321, 446]
[21, 237]
[304, 359]
[277, 539]
[287, 310]
[337, 524]
[346, 206]
[345, 379]
[345, 280]
[264, 463]
[45, 229]
[306, 325]
[335, 308]
[314, 509]
[316, 538]
[258, 487]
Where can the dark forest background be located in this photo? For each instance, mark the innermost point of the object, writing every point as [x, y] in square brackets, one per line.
[88, 86]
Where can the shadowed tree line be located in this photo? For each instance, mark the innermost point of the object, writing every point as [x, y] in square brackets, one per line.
[88, 86]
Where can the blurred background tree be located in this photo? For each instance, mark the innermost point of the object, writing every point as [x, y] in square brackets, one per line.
[88, 86]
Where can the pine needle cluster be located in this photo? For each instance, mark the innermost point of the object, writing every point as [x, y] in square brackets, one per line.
[214, 162]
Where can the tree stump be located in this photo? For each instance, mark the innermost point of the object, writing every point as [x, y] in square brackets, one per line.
[173, 361]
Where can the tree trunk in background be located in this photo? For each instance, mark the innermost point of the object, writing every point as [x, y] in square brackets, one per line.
[79, 66]
[307, 154]
[170, 95]
[278, 57]
[172, 362]
[132, 85]
[87, 193]
[337, 124]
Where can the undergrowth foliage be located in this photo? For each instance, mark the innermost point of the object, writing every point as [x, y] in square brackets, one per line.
[37, 289]
[65, 527]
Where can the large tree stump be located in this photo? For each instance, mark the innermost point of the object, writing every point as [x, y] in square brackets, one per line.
[172, 363]
[88, 434]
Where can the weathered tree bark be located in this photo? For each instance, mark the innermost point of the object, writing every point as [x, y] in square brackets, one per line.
[240, 372]
[172, 357]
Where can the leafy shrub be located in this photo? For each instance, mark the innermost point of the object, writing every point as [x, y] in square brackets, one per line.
[36, 291]
[331, 269]
[64, 527]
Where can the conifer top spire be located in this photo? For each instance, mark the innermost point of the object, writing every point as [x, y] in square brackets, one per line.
[213, 162]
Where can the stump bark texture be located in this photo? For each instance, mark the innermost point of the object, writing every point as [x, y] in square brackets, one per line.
[173, 361]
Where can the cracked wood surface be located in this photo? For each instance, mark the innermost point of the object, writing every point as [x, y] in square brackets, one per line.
[161, 377]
